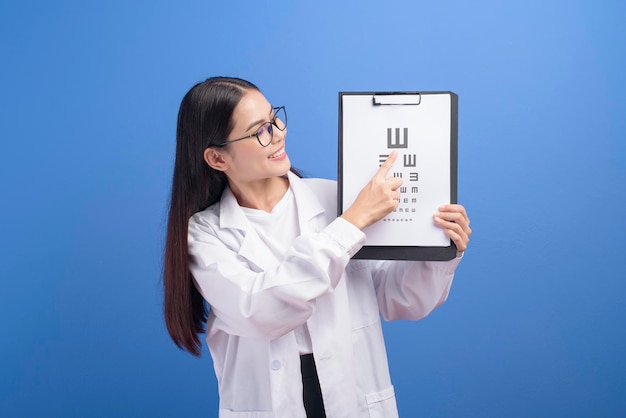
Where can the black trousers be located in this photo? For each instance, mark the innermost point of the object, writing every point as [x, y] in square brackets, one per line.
[312, 394]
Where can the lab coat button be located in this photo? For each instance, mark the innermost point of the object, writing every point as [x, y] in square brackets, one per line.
[276, 365]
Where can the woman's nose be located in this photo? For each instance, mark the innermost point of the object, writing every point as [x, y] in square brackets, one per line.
[278, 135]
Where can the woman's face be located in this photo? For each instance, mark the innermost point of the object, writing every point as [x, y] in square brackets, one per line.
[246, 160]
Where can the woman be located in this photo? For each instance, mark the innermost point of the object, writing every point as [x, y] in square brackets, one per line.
[292, 323]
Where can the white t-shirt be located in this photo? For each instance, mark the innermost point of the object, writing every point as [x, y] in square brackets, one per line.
[278, 229]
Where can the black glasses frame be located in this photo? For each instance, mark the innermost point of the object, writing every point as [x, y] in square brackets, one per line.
[258, 131]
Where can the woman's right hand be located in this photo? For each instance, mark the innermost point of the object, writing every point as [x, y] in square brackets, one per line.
[378, 198]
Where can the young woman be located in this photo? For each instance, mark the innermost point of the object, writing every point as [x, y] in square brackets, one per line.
[256, 257]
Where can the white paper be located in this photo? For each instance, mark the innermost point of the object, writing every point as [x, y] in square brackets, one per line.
[421, 136]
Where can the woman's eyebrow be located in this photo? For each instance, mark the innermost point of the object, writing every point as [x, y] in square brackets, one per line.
[258, 122]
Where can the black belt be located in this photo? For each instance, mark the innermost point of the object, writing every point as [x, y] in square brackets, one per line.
[311, 392]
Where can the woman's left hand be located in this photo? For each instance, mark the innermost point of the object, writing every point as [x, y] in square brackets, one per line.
[455, 223]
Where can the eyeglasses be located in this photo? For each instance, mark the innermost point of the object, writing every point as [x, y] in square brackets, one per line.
[265, 133]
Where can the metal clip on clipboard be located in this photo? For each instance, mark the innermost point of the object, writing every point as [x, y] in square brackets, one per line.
[391, 99]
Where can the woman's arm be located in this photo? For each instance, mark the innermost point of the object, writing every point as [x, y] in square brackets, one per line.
[268, 304]
[413, 289]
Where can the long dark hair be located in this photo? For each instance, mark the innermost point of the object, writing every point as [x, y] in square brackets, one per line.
[204, 120]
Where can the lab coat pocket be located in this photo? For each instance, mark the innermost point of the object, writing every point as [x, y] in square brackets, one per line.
[362, 296]
[382, 404]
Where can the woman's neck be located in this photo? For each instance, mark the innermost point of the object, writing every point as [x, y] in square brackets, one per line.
[261, 194]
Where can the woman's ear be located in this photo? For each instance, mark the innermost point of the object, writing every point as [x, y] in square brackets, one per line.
[215, 159]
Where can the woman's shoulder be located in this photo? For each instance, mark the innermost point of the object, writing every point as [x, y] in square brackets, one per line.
[325, 192]
[206, 217]
[321, 186]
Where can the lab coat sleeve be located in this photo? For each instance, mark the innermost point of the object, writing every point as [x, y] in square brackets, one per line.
[412, 289]
[267, 304]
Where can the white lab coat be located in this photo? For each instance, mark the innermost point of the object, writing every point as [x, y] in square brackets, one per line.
[256, 301]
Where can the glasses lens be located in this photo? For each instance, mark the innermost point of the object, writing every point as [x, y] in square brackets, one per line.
[266, 131]
[281, 118]
[265, 134]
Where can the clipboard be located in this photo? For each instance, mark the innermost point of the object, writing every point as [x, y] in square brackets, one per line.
[423, 128]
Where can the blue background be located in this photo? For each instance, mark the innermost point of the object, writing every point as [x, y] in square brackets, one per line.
[89, 95]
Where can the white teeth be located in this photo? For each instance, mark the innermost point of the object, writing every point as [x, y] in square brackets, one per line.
[277, 154]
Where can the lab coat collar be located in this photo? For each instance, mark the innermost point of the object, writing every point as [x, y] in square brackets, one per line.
[252, 247]
[309, 206]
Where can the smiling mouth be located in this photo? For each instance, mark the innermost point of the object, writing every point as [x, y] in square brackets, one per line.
[278, 153]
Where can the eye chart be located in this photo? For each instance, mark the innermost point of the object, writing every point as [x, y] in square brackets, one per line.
[422, 128]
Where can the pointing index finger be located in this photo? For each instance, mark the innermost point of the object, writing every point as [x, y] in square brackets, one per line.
[386, 166]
